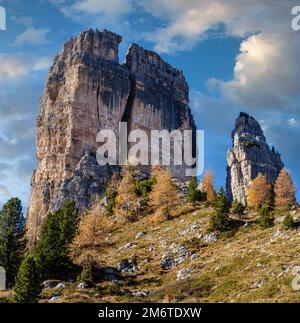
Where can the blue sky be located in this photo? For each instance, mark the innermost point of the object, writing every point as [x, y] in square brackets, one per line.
[236, 56]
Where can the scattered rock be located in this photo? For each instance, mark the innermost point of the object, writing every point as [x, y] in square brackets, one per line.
[139, 235]
[55, 298]
[60, 286]
[126, 246]
[50, 283]
[166, 262]
[279, 234]
[210, 237]
[183, 273]
[82, 286]
[128, 266]
[259, 283]
[195, 227]
[142, 293]
[194, 256]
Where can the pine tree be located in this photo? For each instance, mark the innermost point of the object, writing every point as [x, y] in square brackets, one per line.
[111, 194]
[238, 208]
[284, 190]
[259, 192]
[208, 186]
[28, 287]
[12, 241]
[193, 194]
[288, 222]
[126, 199]
[220, 217]
[52, 251]
[164, 195]
[265, 219]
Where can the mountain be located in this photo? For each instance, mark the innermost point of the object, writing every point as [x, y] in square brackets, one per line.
[89, 90]
[249, 155]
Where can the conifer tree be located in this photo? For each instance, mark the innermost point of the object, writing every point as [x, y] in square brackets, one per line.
[126, 199]
[12, 241]
[238, 208]
[265, 219]
[164, 195]
[284, 190]
[28, 287]
[193, 194]
[259, 192]
[220, 217]
[208, 186]
[288, 222]
[58, 230]
[111, 194]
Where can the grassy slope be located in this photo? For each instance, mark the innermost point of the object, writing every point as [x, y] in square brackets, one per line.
[246, 265]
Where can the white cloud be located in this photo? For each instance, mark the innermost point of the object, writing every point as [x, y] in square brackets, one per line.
[267, 69]
[17, 66]
[266, 73]
[32, 36]
[4, 191]
[96, 11]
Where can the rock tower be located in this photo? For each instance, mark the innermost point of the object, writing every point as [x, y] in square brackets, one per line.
[250, 154]
[88, 90]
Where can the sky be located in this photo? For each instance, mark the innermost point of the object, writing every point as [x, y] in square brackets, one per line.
[236, 56]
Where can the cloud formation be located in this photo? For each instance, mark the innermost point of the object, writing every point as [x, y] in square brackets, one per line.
[19, 65]
[32, 36]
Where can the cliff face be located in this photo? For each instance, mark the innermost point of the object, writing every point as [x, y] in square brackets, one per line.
[249, 155]
[88, 90]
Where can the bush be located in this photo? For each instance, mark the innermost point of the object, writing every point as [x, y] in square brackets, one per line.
[86, 276]
[193, 194]
[28, 282]
[111, 195]
[238, 208]
[288, 222]
[144, 186]
[265, 218]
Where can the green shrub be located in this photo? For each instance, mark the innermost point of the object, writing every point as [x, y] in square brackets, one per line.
[144, 186]
[193, 194]
[238, 208]
[288, 222]
[265, 219]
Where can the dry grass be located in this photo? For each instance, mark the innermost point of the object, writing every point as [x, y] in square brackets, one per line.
[247, 264]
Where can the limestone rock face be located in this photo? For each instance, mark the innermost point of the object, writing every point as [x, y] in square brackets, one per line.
[250, 154]
[88, 90]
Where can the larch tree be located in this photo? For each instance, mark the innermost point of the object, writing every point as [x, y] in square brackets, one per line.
[259, 192]
[208, 186]
[164, 195]
[126, 200]
[284, 190]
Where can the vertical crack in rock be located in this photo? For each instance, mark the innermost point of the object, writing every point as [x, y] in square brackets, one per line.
[97, 105]
[250, 155]
[129, 104]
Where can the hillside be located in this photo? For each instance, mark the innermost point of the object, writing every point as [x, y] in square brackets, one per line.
[247, 264]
